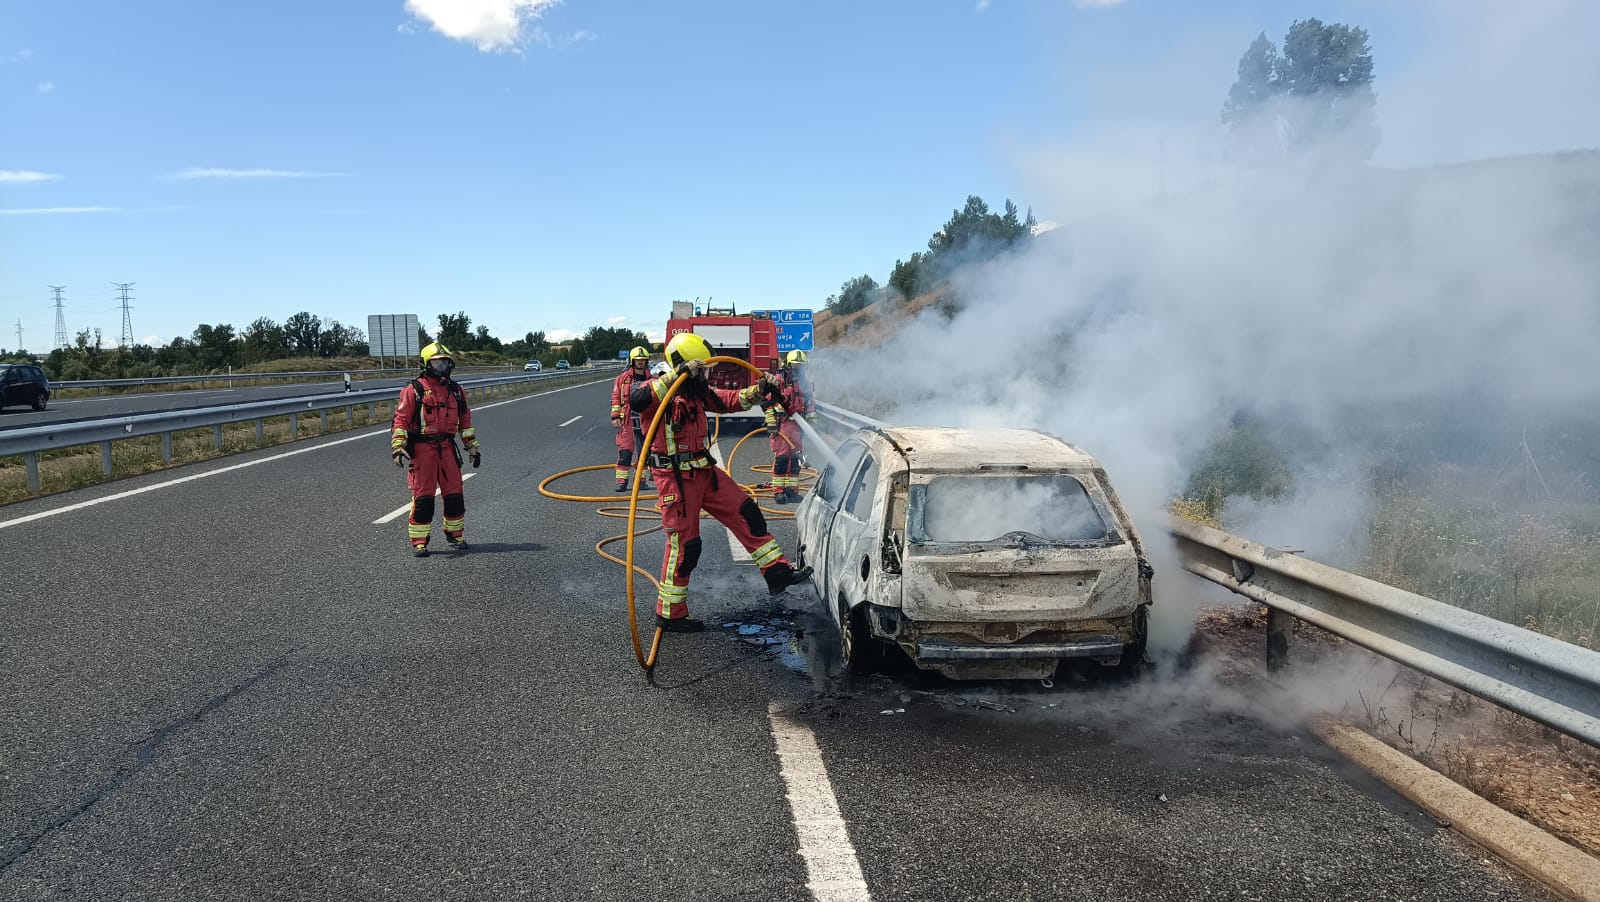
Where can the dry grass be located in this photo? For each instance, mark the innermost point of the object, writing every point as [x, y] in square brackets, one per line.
[1546, 778]
[73, 468]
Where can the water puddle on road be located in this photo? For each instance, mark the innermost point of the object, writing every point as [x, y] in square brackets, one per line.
[775, 629]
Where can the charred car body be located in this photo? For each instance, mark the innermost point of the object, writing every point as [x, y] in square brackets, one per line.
[982, 553]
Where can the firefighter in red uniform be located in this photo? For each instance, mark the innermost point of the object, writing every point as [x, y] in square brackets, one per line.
[793, 400]
[689, 480]
[431, 413]
[625, 421]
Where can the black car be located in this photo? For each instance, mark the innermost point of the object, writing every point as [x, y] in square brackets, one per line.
[23, 383]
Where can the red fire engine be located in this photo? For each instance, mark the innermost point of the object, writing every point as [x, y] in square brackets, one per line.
[752, 337]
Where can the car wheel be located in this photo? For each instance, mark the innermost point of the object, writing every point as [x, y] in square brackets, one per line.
[40, 402]
[859, 652]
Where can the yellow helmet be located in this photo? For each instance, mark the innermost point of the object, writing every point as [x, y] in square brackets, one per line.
[437, 349]
[639, 353]
[687, 346]
[794, 357]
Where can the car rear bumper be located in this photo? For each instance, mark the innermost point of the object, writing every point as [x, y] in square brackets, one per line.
[1088, 647]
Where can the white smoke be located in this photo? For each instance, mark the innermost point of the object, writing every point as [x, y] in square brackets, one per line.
[1304, 298]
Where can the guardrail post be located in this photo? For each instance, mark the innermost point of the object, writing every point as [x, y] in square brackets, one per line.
[350, 415]
[261, 430]
[294, 426]
[105, 457]
[31, 461]
[216, 438]
[1280, 629]
[372, 411]
[166, 447]
[324, 421]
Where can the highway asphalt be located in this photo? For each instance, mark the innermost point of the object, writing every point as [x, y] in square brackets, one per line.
[240, 687]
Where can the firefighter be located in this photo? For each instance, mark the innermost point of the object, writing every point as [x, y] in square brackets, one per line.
[689, 480]
[431, 413]
[630, 434]
[791, 399]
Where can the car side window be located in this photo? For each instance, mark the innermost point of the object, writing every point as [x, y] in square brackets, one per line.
[866, 485]
[831, 484]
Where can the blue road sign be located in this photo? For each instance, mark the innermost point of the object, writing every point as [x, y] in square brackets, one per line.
[795, 336]
[792, 316]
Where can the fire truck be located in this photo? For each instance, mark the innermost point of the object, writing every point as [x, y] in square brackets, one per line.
[752, 337]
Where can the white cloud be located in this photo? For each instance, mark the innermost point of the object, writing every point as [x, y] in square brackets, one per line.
[614, 321]
[212, 173]
[19, 176]
[981, 6]
[45, 87]
[561, 336]
[406, 28]
[35, 211]
[489, 25]
[21, 56]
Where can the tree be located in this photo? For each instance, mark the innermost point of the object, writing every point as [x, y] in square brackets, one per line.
[455, 331]
[1315, 98]
[906, 276]
[855, 294]
[214, 346]
[263, 340]
[303, 334]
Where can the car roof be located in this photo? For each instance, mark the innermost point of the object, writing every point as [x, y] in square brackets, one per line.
[929, 448]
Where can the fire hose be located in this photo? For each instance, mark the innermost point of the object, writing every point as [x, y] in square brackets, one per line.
[647, 660]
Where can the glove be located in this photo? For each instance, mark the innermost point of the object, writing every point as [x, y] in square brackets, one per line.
[692, 367]
[811, 417]
[476, 453]
[772, 429]
[769, 383]
[616, 422]
[400, 457]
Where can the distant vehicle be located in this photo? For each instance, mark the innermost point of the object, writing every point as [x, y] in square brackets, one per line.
[563, 365]
[532, 366]
[23, 383]
[981, 553]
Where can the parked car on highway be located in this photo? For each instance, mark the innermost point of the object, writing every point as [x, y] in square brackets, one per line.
[23, 383]
[981, 553]
[532, 366]
[563, 365]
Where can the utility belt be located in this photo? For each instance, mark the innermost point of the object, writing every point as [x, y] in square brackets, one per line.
[684, 460]
[435, 437]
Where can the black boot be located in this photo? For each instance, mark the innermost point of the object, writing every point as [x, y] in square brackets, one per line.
[781, 576]
[792, 496]
[622, 486]
[680, 625]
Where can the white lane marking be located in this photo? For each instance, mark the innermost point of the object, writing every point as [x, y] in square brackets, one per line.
[833, 872]
[740, 556]
[571, 421]
[247, 464]
[406, 508]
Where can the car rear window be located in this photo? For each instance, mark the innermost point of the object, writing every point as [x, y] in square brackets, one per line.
[1054, 508]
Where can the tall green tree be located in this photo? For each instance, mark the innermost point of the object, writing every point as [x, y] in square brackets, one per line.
[303, 333]
[1313, 99]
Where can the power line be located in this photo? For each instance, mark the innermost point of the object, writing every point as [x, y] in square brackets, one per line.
[127, 317]
[61, 319]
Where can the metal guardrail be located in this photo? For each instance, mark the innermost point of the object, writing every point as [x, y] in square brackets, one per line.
[29, 442]
[205, 378]
[1544, 679]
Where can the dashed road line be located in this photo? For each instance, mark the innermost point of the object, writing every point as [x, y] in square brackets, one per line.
[571, 421]
[833, 872]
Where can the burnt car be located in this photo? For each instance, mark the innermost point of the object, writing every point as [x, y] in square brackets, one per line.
[980, 553]
[23, 383]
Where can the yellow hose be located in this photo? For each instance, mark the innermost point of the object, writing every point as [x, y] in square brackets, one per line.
[648, 660]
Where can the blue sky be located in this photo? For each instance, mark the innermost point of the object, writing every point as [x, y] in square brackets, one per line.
[585, 166]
